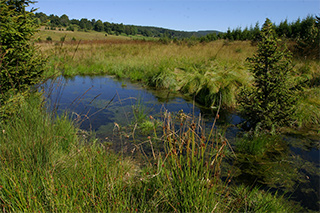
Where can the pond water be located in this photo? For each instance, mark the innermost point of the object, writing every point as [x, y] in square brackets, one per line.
[100, 103]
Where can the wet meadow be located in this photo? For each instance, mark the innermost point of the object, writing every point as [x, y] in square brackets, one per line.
[129, 124]
[209, 76]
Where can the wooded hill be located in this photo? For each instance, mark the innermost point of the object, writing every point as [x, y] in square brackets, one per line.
[53, 22]
[298, 29]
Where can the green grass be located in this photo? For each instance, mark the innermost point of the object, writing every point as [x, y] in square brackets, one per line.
[46, 166]
[49, 165]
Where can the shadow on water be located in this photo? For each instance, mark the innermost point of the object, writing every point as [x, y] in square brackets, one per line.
[105, 105]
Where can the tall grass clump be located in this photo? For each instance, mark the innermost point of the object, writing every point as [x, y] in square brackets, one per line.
[210, 83]
[308, 104]
[30, 145]
[187, 174]
[191, 166]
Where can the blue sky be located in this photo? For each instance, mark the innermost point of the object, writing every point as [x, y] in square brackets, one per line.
[183, 15]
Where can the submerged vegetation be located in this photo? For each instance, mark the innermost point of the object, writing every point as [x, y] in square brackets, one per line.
[48, 164]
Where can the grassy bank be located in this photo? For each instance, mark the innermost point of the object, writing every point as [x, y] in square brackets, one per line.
[203, 71]
[49, 165]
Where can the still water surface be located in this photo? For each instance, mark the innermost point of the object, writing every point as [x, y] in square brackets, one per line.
[103, 101]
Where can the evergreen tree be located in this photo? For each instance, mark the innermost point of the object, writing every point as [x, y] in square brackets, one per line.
[309, 44]
[20, 64]
[270, 102]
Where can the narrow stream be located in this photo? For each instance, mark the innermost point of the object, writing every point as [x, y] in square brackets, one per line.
[100, 103]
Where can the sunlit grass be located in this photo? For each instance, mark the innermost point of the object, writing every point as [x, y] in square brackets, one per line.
[73, 36]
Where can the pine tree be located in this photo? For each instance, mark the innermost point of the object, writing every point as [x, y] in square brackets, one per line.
[270, 102]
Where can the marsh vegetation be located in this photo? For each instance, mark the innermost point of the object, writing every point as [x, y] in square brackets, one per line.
[171, 161]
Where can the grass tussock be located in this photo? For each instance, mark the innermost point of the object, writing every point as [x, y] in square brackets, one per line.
[308, 106]
[48, 165]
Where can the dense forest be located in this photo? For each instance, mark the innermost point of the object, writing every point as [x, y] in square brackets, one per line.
[300, 28]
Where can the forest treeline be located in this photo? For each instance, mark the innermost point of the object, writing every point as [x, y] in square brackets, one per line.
[54, 22]
[304, 34]
[300, 28]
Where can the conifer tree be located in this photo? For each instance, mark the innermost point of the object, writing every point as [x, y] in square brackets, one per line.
[309, 45]
[270, 102]
[20, 63]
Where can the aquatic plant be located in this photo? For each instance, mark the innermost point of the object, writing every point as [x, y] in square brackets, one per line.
[267, 162]
[253, 199]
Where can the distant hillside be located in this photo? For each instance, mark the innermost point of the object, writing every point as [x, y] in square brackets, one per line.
[206, 32]
[53, 21]
[162, 32]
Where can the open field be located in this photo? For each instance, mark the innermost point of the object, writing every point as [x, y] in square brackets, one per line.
[72, 36]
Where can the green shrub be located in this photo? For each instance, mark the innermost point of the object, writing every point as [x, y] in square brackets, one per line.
[49, 38]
